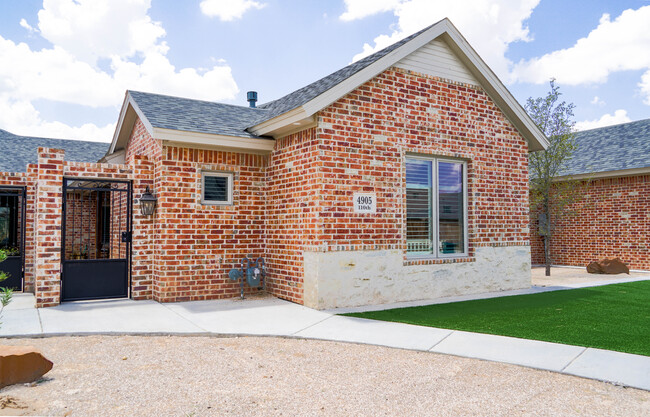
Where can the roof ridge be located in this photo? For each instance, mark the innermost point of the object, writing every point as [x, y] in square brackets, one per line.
[194, 99]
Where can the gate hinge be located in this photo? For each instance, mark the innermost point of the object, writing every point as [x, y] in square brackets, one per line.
[126, 237]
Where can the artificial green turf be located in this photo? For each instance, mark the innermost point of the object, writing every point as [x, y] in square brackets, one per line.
[613, 317]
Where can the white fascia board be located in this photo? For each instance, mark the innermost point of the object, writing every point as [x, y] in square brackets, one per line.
[117, 157]
[141, 116]
[372, 70]
[118, 127]
[480, 69]
[128, 106]
[604, 174]
[270, 126]
[222, 141]
[291, 129]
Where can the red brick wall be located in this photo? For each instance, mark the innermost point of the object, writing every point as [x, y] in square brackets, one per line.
[300, 196]
[141, 143]
[360, 146]
[612, 219]
[47, 227]
[144, 238]
[363, 141]
[293, 198]
[197, 244]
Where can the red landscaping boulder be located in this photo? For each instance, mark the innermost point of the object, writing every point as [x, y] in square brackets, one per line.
[608, 266]
[21, 364]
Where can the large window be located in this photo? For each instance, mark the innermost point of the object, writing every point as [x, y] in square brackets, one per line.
[216, 188]
[436, 207]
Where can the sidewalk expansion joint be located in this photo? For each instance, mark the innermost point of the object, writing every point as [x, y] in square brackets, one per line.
[573, 360]
[311, 325]
[40, 322]
[185, 318]
[440, 341]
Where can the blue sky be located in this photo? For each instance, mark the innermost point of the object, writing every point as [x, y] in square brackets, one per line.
[65, 64]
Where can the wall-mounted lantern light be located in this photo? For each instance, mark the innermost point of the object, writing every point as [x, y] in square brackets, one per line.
[147, 203]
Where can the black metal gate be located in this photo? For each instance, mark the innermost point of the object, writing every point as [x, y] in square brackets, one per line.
[96, 239]
[12, 235]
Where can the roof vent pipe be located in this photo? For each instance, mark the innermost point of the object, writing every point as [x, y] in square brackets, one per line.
[251, 96]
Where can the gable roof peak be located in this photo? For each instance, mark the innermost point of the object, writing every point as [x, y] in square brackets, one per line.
[300, 105]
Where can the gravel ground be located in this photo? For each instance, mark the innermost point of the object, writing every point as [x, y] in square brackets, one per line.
[203, 376]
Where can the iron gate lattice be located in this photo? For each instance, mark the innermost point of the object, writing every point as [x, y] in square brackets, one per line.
[12, 235]
[96, 239]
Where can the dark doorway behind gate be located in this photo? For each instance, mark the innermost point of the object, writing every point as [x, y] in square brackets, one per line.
[96, 233]
[12, 233]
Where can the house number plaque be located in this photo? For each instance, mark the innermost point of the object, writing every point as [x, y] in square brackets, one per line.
[365, 203]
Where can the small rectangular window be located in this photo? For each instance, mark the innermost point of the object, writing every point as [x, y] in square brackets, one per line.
[436, 207]
[216, 188]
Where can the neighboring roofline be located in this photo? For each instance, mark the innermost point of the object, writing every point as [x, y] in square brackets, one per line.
[605, 174]
[490, 82]
[579, 132]
[130, 112]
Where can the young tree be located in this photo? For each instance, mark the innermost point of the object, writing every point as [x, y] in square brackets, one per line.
[548, 196]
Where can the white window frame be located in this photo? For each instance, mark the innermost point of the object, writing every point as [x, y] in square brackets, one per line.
[435, 209]
[229, 176]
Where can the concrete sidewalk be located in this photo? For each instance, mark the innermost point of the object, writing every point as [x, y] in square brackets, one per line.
[274, 317]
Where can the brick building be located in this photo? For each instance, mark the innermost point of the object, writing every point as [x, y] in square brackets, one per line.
[612, 218]
[402, 176]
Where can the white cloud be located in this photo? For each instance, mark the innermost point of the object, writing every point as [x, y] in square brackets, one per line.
[645, 87]
[228, 10]
[358, 9]
[489, 25]
[24, 24]
[619, 116]
[91, 29]
[618, 45]
[20, 117]
[53, 74]
[67, 71]
[597, 101]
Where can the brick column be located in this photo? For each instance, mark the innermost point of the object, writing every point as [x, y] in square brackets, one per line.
[30, 224]
[142, 256]
[47, 229]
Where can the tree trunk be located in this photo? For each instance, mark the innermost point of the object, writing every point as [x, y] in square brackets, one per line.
[547, 258]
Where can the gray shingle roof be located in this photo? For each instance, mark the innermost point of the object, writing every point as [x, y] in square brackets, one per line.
[611, 148]
[185, 114]
[313, 90]
[18, 151]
